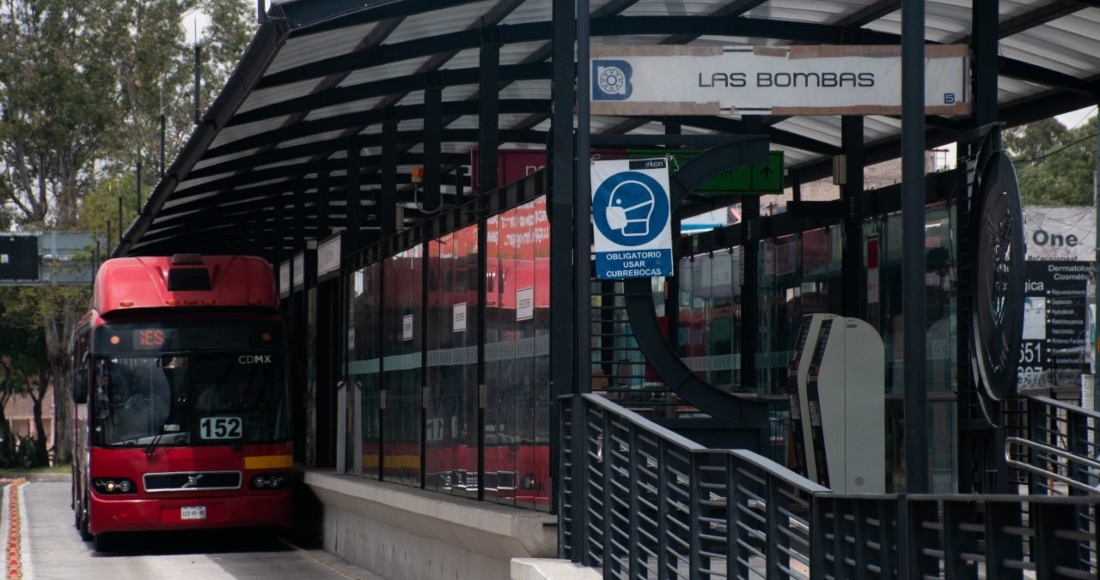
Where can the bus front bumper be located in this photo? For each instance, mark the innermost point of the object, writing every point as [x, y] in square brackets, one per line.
[271, 509]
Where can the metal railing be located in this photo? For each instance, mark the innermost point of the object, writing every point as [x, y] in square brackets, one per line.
[639, 501]
[1059, 451]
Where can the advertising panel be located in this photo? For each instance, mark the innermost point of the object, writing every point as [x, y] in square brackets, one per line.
[1054, 348]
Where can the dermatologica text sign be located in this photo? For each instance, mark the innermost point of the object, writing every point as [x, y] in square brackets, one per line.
[794, 80]
[631, 218]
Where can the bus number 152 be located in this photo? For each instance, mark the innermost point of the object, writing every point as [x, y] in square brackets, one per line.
[220, 427]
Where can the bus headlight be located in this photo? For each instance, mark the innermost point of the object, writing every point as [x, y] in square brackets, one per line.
[270, 481]
[113, 485]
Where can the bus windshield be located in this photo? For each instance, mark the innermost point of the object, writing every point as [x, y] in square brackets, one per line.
[190, 397]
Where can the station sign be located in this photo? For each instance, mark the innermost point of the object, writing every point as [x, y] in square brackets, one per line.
[328, 256]
[631, 218]
[771, 80]
[284, 279]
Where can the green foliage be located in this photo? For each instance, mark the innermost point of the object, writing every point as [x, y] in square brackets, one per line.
[1054, 165]
[84, 85]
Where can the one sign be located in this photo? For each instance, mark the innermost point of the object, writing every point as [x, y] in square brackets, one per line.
[407, 327]
[299, 270]
[755, 178]
[630, 212]
[795, 80]
[1060, 233]
[458, 317]
[284, 279]
[328, 256]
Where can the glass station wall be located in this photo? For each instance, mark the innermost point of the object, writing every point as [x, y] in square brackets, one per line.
[394, 362]
[517, 357]
[451, 428]
[402, 373]
[800, 274]
[941, 338]
[364, 367]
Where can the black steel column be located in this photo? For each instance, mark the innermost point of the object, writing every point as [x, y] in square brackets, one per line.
[912, 262]
[488, 123]
[354, 210]
[387, 200]
[983, 44]
[488, 117]
[854, 274]
[750, 284]
[431, 199]
[582, 210]
[299, 202]
[672, 283]
[324, 230]
[560, 213]
[750, 290]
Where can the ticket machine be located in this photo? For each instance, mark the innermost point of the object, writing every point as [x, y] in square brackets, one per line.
[836, 388]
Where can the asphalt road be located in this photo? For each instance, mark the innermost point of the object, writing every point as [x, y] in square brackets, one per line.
[52, 550]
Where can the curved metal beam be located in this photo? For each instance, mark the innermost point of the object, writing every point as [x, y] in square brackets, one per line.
[639, 296]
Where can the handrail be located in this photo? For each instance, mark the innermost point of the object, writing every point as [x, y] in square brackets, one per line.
[1065, 406]
[1046, 473]
[640, 501]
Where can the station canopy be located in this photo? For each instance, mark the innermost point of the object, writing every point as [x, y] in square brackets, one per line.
[323, 75]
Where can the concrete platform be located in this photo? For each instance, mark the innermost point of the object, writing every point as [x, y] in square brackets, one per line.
[406, 533]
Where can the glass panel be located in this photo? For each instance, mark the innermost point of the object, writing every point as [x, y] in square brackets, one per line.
[941, 337]
[780, 311]
[190, 398]
[516, 358]
[401, 366]
[364, 359]
[451, 430]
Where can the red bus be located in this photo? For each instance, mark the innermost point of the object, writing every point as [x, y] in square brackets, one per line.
[182, 402]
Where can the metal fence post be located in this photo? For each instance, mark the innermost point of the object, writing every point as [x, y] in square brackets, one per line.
[1050, 550]
[662, 509]
[1000, 546]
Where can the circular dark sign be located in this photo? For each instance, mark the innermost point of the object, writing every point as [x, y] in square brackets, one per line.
[997, 302]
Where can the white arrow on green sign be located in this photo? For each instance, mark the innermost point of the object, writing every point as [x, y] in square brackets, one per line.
[759, 178]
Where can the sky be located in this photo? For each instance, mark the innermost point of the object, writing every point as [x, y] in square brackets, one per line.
[1072, 120]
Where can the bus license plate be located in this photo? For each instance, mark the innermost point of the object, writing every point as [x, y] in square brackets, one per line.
[193, 513]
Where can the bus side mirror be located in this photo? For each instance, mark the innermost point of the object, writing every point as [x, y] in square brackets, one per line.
[80, 387]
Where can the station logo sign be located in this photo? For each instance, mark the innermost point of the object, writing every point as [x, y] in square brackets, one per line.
[776, 80]
[631, 219]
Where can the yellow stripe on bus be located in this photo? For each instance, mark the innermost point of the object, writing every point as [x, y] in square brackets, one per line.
[269, 462]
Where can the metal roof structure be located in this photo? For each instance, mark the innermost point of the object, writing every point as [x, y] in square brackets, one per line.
[325, 77]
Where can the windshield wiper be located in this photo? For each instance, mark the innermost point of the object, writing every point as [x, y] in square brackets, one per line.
[160, 431]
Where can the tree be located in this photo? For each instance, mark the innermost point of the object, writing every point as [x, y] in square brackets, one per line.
[1054, 165]
[83, 88]
[24, 365]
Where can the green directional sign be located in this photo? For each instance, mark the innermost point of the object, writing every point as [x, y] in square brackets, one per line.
[760, 178]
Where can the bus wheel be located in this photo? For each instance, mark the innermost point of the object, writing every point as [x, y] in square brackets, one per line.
[103, 542]
[82, 519]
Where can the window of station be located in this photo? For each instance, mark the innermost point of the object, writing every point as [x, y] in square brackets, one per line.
[517, 347]
[364, 365]
[710, 316]
[402, 373]
[941, 347]
[451, 438]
